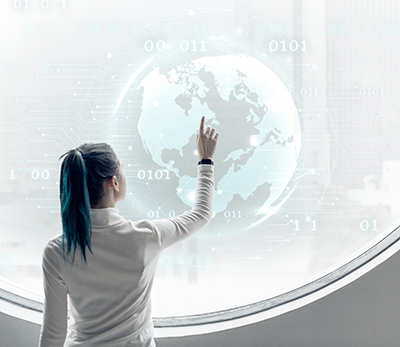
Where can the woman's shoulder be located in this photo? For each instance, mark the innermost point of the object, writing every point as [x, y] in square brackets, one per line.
[146, 229]
[141, 228]
[53, 247]
[55, 241]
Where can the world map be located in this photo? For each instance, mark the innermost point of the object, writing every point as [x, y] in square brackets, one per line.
[251, 109]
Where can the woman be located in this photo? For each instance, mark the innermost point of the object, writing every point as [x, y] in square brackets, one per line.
[109, 289]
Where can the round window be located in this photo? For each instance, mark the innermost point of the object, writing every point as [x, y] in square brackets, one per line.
[306, 170]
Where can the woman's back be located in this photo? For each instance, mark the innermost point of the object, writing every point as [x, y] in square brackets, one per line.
[110, 295]
[109, 287]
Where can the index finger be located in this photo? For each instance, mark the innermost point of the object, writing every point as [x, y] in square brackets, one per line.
[201, 132]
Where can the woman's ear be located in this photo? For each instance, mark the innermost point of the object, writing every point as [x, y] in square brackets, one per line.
[115, 183]
[112, 183]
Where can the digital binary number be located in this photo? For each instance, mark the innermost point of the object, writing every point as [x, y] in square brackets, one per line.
[284, 46]
[184, 46]
[159, 174]
[371, 91]
[44, 174]
[44, 4]
[232, 214]
[313, 226]
[365, 225]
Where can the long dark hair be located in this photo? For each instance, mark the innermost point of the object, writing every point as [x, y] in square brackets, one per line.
[83, 173]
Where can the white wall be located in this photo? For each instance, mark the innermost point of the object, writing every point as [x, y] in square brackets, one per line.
[364, 313]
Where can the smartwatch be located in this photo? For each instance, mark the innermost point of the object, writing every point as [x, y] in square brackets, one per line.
[206, 161]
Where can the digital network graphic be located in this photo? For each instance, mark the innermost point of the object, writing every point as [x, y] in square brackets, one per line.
[286, 206]
[246, 94]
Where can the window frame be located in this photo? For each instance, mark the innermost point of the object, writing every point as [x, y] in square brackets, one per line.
[368, 257]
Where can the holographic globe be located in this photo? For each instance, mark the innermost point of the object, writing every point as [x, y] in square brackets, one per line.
[251, 109]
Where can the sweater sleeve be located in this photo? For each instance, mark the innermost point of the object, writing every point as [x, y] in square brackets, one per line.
[172, 230]
[55, 314]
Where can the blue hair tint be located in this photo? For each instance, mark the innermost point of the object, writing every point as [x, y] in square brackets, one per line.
[83, 173]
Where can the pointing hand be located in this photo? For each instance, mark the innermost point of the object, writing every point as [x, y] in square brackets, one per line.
[206, 141]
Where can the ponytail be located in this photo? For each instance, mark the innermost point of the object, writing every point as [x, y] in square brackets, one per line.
[75, 203]
[83, 173]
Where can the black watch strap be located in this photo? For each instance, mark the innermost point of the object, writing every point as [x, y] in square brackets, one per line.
[206, 161]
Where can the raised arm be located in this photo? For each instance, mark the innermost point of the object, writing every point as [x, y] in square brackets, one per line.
[172, 230]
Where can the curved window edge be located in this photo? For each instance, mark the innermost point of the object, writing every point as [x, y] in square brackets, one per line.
[368, 257]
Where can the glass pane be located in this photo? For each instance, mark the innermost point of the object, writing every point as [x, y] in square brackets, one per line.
[303, 94]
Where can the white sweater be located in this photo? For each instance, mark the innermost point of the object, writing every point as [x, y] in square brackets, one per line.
[109, 298]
